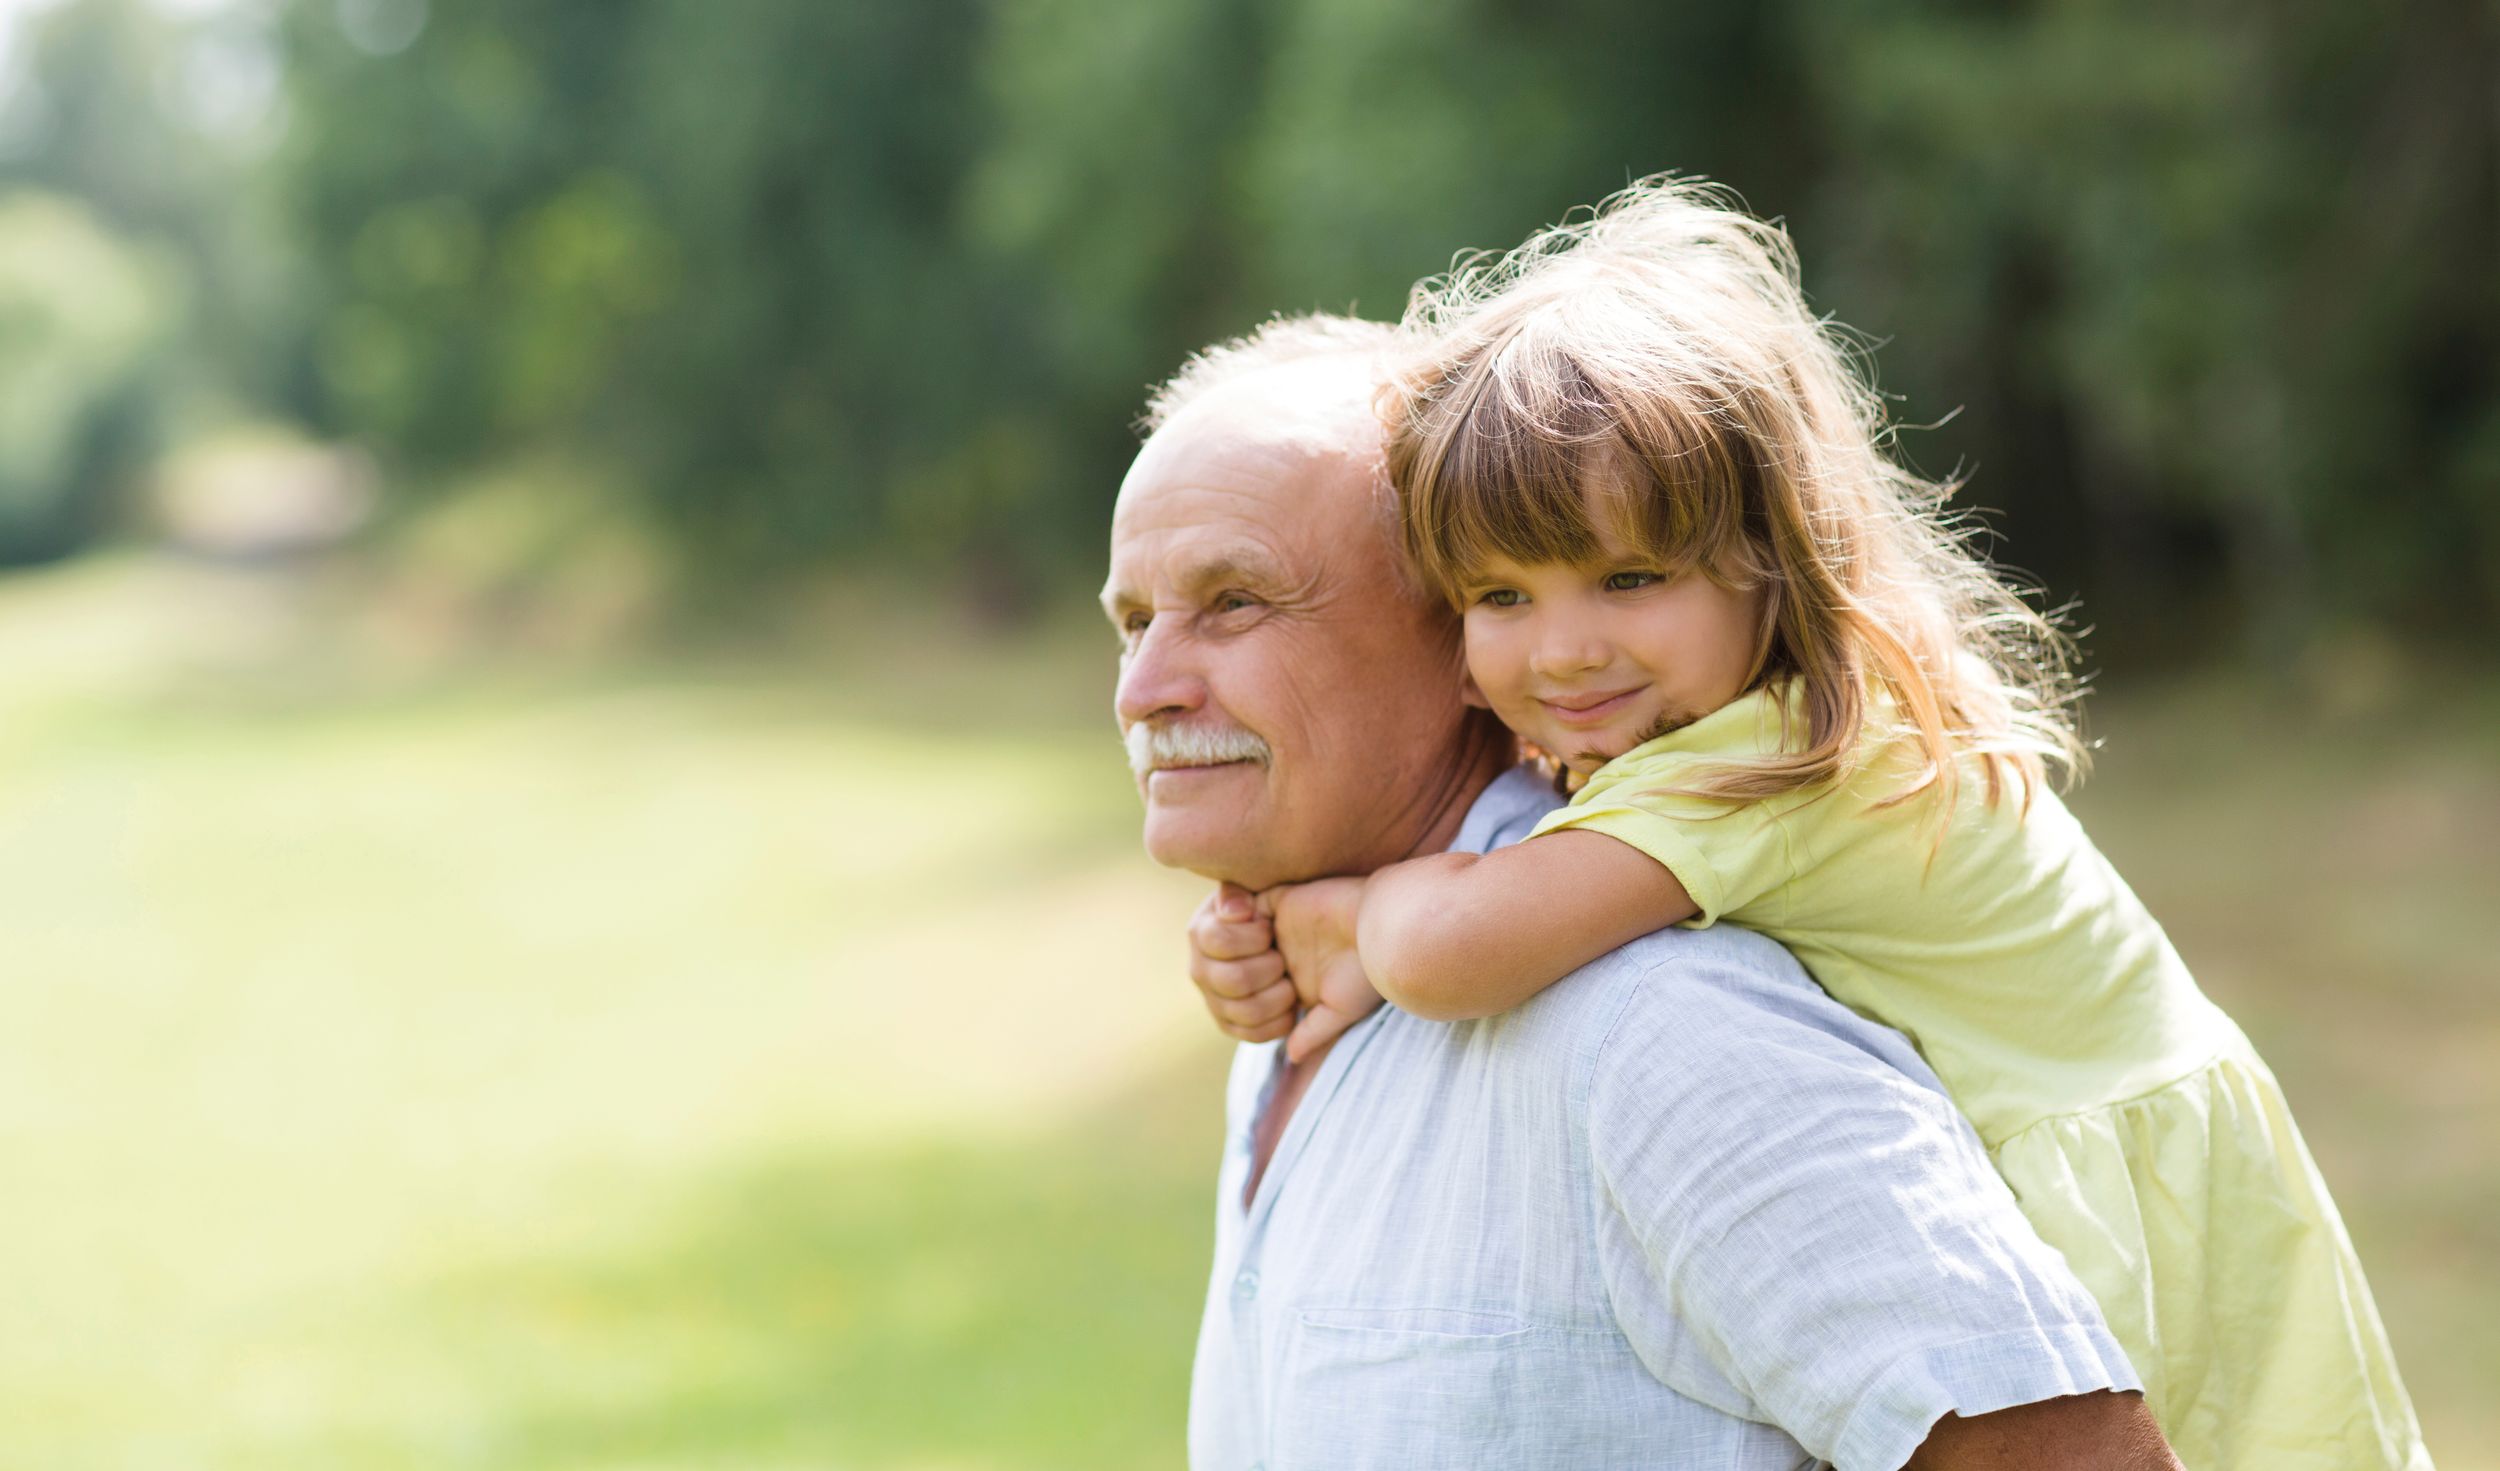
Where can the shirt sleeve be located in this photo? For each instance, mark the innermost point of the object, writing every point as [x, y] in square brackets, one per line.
[1796, 1226]
[1730, 857]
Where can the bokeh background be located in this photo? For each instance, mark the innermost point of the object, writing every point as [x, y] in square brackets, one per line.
[566, 899]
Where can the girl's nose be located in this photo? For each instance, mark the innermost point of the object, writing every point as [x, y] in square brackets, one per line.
[1564, 649]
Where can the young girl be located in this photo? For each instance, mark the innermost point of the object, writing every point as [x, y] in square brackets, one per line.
[1786, 694]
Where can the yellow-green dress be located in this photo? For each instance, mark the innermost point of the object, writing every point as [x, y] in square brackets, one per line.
[2139, 1130]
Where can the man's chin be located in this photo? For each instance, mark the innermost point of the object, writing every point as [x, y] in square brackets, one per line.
[1219, 842]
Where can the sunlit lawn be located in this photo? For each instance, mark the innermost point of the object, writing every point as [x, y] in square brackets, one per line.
[787, 1065]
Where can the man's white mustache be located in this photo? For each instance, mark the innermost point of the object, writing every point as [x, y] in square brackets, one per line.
[1153, 747]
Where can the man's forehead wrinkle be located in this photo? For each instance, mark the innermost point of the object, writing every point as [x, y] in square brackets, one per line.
[1233, 562]
[1190, 572]
[1201, 481]
[1178, 533]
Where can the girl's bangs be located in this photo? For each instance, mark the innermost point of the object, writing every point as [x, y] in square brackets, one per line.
[1541, 467]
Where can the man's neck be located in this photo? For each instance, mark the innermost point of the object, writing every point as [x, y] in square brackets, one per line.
[1488, 751]
[1486, 754]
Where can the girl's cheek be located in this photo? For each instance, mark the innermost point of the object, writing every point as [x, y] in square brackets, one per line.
[1491, 661]
[1496, 669]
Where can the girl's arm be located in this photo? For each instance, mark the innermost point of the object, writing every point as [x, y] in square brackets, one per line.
[1461, 935]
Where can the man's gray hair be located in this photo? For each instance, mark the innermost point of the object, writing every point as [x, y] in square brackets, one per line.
[1273, 343]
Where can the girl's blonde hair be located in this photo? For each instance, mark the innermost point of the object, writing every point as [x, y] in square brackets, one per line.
[1656, 364]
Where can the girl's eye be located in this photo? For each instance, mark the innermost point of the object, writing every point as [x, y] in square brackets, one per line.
[1631, 581]
[1501, 597]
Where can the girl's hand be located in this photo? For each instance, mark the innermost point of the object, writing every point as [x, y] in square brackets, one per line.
[1314, 927]
[1239, 972]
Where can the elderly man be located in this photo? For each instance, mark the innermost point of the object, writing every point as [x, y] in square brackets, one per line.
[1678, 1210]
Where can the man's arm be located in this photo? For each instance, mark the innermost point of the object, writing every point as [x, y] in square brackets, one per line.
[2078, 1432]
[1798, 1228]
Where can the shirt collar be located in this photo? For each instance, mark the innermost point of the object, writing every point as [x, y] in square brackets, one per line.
[1506, 810]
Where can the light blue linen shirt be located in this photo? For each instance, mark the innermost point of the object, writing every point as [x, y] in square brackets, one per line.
[1680, 1210]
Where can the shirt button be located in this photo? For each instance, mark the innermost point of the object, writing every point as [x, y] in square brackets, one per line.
[1247, 1286]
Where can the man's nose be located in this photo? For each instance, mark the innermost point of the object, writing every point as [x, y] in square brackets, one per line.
[1158, 678]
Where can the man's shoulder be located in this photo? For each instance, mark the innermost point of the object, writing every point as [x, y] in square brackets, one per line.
[1719, 1001]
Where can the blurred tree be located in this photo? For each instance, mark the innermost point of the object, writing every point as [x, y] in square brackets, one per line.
[720, 259]
[2212, 285]
[145, 129]
[2218, 284]
[81, 312]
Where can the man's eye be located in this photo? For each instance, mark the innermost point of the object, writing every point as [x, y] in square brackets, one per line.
[1234, 602]
[1134, 626]
[1631, 581]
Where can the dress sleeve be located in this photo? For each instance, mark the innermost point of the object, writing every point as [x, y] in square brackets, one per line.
[1732, 858]
[1797, 1227]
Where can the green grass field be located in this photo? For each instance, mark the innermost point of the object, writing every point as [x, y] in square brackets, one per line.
[518, 1063]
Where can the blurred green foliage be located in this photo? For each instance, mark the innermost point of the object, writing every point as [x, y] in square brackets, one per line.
[83, 310]
[2212, 287]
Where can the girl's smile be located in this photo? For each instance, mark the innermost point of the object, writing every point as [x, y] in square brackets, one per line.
[1589, 709]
